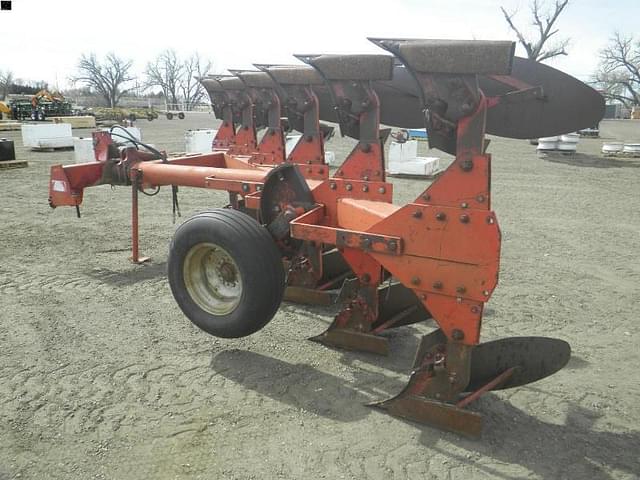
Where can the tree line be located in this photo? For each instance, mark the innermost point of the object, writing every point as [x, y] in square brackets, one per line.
[111, 77]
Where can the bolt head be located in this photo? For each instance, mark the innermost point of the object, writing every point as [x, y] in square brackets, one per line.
[437, 285]
[457, 334]
[464, 218]
[466, 165]
[415, 281]
[441, 216]
[349, 187]
[382, 190]
[332, 186]
[417, 214]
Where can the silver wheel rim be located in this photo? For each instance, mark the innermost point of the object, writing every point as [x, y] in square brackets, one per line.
[212, 279]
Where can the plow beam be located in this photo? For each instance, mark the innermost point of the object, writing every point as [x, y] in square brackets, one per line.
[357, 105]
[242, 106]
[267, 109]
[301, 105]
[222, 108]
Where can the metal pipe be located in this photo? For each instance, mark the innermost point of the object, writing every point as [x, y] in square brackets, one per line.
[158, 174]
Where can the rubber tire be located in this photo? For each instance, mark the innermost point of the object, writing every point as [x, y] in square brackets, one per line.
[169, 116]
[257, 258]
[181, 115]
[133, 117]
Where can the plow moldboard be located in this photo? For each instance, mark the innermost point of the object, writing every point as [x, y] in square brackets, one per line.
[568, 105]
[534, 357]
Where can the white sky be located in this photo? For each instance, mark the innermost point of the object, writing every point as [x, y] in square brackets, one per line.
[35, 44]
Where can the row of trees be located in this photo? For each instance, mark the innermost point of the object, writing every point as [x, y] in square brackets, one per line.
[618, 74]
[112, 77]
[9, 84]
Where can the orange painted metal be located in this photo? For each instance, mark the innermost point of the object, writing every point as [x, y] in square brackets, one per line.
[308, 227]
[364, 163]
[362, 214]
[158, 174]
[308, 150]
[225, 136]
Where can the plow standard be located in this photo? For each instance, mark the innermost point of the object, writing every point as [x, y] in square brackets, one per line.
[290, 225]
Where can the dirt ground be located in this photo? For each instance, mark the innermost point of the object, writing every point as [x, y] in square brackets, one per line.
[101, 376]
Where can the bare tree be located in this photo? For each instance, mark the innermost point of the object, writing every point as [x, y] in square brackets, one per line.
[618, 75]
[166, 72]
[6, 81]
[543, 21]
[190, 86]
[106, 78]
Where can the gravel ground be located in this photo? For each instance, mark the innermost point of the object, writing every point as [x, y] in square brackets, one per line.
[101, 376]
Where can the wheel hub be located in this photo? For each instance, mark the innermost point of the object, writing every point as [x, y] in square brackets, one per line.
[212, 279]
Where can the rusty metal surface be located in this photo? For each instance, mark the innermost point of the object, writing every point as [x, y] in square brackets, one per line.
[534, 357]
[453, 56]
[295, 75]
[353, 340]
[352, 67]
[437, 414]
[310, 296]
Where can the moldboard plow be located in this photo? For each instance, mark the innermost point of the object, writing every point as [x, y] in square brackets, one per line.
[289, 222]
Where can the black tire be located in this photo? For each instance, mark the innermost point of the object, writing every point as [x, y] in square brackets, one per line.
[169, 116]
[150, 118]
[133, 117]
[181, 115]
[201, 249]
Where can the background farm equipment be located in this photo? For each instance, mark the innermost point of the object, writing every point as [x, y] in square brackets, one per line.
[40, 106]
[172, 111]
[103, 114]
[434, 258]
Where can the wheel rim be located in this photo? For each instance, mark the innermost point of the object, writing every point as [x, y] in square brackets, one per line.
[212, 279]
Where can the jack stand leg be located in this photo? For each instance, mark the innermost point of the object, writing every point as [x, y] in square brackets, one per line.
[135, 254]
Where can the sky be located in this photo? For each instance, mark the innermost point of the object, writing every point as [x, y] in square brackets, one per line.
[43, 40]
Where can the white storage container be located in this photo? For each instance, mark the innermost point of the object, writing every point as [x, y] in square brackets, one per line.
[612, 148]
[47, 135]
[631, 149]
[548, 143]
[419, 166]
[402, 152]
[569, 142]
[83, 150]
[199, 141]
